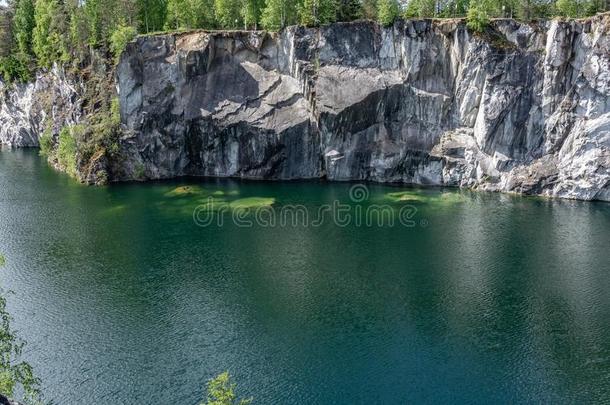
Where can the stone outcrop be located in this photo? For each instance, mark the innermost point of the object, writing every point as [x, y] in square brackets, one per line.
[522, 108]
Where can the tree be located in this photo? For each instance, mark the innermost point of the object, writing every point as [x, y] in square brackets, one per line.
[151, 14]
[369, 9]
[251, 13]
[6, 31]
[79, 31]
[50, 33]
[479, 12]
[221, 391]
[119, 39]
[277, 14]
[349, 10]
[568, 8]
[23, 25]
[421, 8]
[317, 12]
[387, 11]
[228, 13]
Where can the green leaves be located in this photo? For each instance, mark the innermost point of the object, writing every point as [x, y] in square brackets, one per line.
[478, 15]
[13, 372]
[317, 12]
[387, 11]
[119, 39]
[221, 391]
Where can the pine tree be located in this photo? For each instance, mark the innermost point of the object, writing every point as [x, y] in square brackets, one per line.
[387, 11]
[23, 25]
[50, 33]
[349, 10]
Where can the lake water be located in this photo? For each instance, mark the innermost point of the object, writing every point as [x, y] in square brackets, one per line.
[476, 298]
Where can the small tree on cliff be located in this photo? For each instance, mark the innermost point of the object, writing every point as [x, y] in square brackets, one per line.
[387, 11]
[479, 12]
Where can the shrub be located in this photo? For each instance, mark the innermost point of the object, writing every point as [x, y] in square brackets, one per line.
[387, 11]
[66, 151]
[15, 68]
[478, 15]
[46, 143]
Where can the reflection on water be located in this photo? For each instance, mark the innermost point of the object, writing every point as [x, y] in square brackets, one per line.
[122, 297]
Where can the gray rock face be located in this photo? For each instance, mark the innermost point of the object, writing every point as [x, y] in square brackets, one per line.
[524, 109]
[26, 109]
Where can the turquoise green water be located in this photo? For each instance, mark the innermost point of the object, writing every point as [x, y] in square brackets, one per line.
[481, 298]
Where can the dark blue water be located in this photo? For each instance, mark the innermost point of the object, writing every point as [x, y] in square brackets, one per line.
[482, 298]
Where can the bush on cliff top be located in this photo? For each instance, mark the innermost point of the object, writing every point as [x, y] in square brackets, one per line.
[119, 40]
[478, 15]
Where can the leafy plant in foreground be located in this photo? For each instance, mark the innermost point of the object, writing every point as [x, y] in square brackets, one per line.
[14, 373]
[221, 391]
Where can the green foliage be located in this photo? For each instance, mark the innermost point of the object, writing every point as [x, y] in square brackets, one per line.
[2, 260]
[48, 38]
[277, 14]
[180, 15]
[15, 68]
[313, 13]
[23, 26]
[190, 14]
[13, 372]
[421, 8]
[46, 143]
[119, 39]
[115, 111]
[387, 11]
[369, 9]
[228, 13]
[66, 151]
[152, 14]
[221, 391]
[568, 8]
[251, 12]
[478, 15]
[349, 10]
